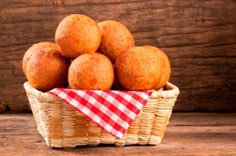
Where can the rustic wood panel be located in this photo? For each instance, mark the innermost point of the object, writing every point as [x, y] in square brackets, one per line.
[200, 134]
[198, 36]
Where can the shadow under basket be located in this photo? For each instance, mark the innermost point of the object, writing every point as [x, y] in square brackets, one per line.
[63, 127]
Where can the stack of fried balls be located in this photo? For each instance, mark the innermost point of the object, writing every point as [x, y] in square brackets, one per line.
[88, 55]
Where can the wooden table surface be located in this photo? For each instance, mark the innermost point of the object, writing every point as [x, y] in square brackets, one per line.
[187, 134]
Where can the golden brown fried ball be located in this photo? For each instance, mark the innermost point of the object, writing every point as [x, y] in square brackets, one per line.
[91, 72]
[77, 34]
[45, 67]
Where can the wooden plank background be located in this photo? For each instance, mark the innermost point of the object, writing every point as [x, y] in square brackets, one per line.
[199, 36]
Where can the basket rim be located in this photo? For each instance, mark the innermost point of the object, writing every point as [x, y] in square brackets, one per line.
[171, 92]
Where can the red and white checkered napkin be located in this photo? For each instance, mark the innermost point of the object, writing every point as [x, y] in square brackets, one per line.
[111, 110]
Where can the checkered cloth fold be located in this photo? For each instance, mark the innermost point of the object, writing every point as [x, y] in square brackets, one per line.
[112, 110]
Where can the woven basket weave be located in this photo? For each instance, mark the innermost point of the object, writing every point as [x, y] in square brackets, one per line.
[62, 127]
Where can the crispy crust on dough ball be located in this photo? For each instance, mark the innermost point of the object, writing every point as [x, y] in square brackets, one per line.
[137, 69]
[45, 67]
[77, 34]
[116, 39]
[165, 67]
[91, 72]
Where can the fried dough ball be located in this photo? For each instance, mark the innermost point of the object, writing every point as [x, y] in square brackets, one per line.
[165, 67]
[77, 34]
[138, 69]
[91, 72]
[116, 39]
[45, 67]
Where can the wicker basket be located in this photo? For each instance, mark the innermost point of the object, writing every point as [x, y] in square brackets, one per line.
[62, 127]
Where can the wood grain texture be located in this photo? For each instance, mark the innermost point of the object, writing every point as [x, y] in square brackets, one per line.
[198, 36]
[200, 134]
